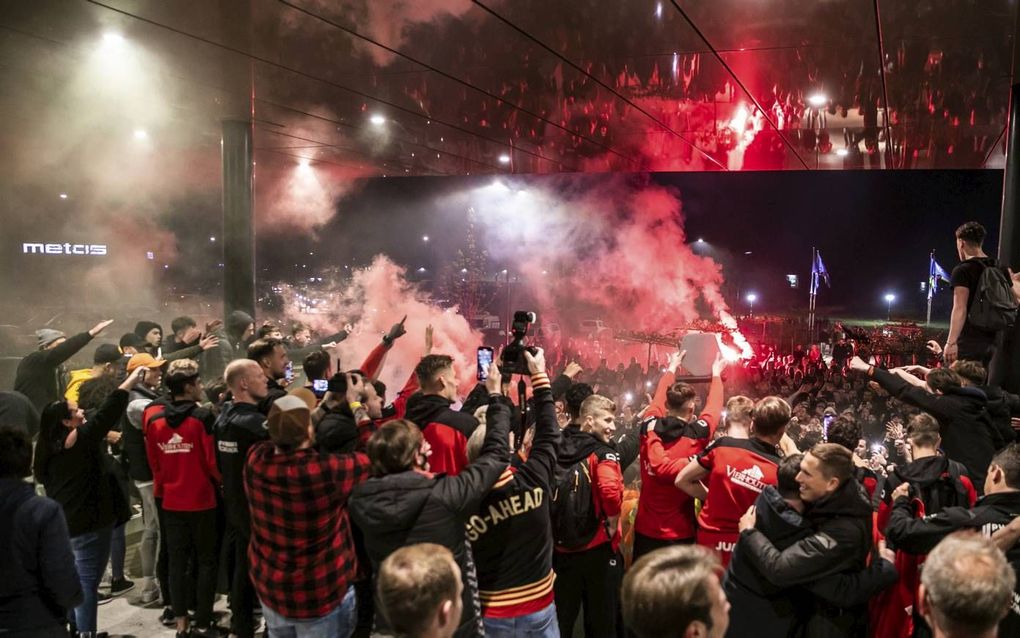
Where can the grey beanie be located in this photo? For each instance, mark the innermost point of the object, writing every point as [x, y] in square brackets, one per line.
[46, 336]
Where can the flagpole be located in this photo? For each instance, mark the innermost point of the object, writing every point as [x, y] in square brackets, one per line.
[811, 297]
[931, 282]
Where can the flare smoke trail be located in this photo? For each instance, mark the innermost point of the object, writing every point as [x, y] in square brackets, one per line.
[379, 296]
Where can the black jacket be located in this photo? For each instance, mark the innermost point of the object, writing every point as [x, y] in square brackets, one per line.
[411, 507]
[760, 608]
[238, 427]
[16, 409]
[336, 433]
[964, 423]
[924, 472]
[78, 477]
[990, 513]
[1001, 406]
[511, 535]
[40, 582]
[840, 543]
[38, 376]
[133, 439]
[273, 392]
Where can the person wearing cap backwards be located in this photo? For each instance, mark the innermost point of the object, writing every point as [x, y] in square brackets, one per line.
[39, 374]
[182, 456]
[133, 444]
[104, 362]
[301, 553]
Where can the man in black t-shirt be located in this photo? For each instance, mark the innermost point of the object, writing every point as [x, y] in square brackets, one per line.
[966, 341]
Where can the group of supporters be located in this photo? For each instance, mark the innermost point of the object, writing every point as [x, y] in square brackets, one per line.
[331, 511]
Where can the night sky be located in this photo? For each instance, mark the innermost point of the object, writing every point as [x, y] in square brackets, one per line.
[874, 229]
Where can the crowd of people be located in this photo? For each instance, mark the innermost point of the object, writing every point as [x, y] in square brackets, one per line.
[604, 502]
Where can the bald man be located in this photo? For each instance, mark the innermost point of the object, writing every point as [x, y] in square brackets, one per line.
[240, 426]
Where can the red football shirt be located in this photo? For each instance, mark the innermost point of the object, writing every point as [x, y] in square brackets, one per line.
[739, 469]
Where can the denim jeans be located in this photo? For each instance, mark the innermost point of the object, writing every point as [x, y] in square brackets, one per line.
[150, 535]
[91, 551]
[540, 624]
[338, 623]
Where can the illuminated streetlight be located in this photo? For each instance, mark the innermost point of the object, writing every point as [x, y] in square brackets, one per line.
[63, 196]
[504, 159]
[421, 269]
[377, 120]
[700, 240]
[751, 298]
[889, 299]
[424, 237]
[212, 238]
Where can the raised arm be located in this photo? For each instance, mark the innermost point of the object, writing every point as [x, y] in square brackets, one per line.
[463, 493]
[547, 431]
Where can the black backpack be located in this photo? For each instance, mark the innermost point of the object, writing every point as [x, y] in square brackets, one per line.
[574, 520]
[945, 492]
[994, 306]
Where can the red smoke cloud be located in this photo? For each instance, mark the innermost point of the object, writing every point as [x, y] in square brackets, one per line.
[379, 296]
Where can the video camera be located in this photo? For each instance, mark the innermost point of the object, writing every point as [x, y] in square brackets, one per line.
[513, 361]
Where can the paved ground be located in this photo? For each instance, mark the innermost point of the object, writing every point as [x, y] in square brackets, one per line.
[125, 617]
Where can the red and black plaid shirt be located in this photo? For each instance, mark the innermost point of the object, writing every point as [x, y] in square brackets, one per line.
[301, 552]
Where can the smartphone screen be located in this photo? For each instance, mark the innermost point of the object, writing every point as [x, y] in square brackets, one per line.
[288, 372]
[484, 361]
[320, 387]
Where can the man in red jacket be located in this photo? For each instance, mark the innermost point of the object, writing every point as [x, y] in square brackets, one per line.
[665, 517]
[590, 569]
[446, 430]
[182, 455]
[736, 471]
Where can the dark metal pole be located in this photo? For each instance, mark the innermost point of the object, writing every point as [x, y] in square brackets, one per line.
[885, 87]
[238, 218]
[1005, 366]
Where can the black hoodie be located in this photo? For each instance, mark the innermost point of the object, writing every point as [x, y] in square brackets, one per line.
[238, 427]
[840, 543]
[446, 430]
[964, 422]
[396, 510]
[760, 608]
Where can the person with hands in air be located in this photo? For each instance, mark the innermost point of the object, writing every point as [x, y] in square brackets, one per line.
[964, 423]
[40, 376]
[667, 444]
[70, 463]
[405, 503]
[513, 521]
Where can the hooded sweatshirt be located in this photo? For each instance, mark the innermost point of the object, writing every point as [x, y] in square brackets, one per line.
[667, 444]
[395, 510]
[760, 608]
[446, 430]
[840, 543]
[606, 482]
[964, 422]
[182, 455]
[143, 328]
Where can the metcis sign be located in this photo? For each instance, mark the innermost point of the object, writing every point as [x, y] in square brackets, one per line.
[95, 250]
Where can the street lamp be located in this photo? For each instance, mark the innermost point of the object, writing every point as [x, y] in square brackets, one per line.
[889, 299]
[751, 298]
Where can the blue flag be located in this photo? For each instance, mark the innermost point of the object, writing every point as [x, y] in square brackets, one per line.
[935, 273]
[818, 269]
